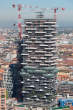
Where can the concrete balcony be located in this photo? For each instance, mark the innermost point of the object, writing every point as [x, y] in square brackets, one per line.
[43, 39]
[29, 51]
[28, 99]
[43, 25]
[45, 87]
[50, 48]
[54, 51]
[28, 22]
[44, 84]
[24, 73]
[43, 45]
[40, 51]
[42, 58]
[34, 57]
[53, 64]
[40, 90]
[22, 82]
[29, 61]
[33, 38]
[54, 57]
[53, 32]
[31, 86]
[47, 94]
[41, 64]
[23, 63]
[35, 96]
[54, 38]
[37, 42]
[25, 92]
[49, 29]
[33, 77]
[45, 81]
[28, 41]
[48, 35]
[23, 44]
[25, 35]
[37, 99]
[28, 80]
[51, 42]
[46, 48]
[30, 29]
[50, 22]
[37, 80]
[30, 48]
[48, 55]
[29, 32]
[43, 77]
[53, 25]
[23, 54]
[40, 32]
[46, 42]
[53, 45]
[38, 61]
[47, 61]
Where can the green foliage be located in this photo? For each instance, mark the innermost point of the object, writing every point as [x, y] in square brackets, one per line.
[6, 94]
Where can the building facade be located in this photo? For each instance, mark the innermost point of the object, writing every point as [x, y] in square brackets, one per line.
[2, 91]
[38, 62]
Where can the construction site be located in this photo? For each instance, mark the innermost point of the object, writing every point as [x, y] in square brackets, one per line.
[38, 70]
[37, 54]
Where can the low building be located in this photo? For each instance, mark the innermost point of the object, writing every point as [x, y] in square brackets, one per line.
[2, 99]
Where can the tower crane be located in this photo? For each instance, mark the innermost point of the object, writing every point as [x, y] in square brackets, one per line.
[19, 8]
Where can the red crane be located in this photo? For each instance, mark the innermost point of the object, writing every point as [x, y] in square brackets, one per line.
[55, 11]
[19, 7]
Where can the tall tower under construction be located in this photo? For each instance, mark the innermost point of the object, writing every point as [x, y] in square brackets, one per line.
[38, 62]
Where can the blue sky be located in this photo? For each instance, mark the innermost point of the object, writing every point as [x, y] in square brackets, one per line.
[8, 15]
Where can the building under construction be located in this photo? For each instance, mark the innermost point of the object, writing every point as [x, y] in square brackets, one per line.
[38, 59]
